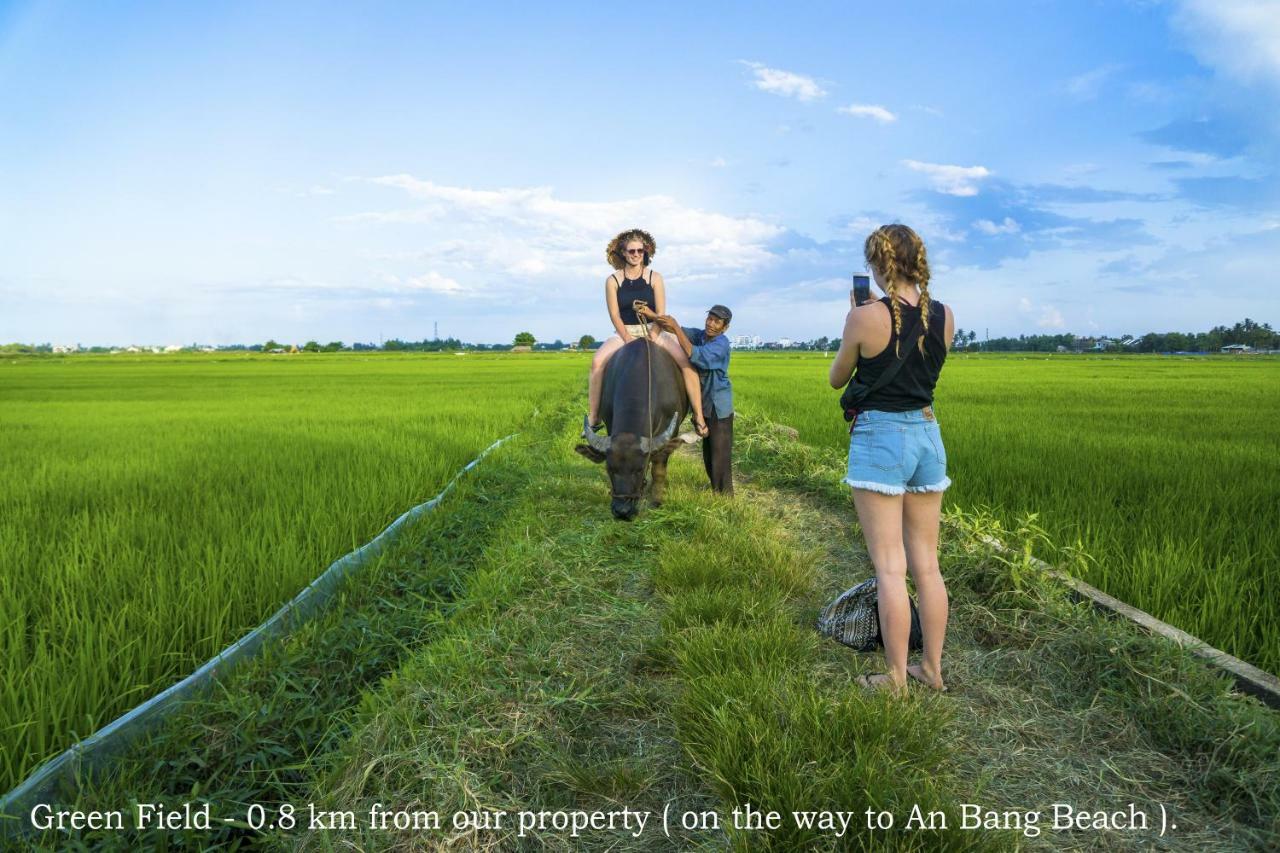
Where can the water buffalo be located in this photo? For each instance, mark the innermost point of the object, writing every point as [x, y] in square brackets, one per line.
[642, 403]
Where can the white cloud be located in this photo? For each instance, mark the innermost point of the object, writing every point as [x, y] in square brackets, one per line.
[788, 84]
[1087, 85]
[861, 226]
[1240, 37]
[434, 282]
[871, 111]
[375, 287]
[718, 163]
[1051, 318]
[1008, 226]
[952, 180]
[517, 239]
[1048, 317]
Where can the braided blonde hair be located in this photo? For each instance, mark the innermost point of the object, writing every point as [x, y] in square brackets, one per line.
[897, 253]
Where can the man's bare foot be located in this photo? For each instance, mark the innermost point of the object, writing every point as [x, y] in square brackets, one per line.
[917, 672]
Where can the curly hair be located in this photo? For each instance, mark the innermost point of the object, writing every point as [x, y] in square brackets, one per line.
[898, 254]
[614, 255]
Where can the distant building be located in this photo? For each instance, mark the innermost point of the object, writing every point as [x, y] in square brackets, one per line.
[786, 343]
[746, 341]
[1237, 348]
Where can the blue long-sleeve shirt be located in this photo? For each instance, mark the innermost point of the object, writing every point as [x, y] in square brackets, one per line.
[711, 358]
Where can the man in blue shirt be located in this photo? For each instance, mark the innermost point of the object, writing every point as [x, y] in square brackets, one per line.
[708, 351]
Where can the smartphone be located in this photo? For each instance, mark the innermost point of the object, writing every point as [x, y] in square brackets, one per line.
[861, 288]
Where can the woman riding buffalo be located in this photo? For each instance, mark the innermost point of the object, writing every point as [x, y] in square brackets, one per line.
[629, 254]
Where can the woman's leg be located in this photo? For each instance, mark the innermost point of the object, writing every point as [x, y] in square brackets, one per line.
[921, 517]
[596, 380]
[692, 383]
[881, 516]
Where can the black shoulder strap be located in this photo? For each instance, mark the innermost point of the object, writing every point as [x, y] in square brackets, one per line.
[651, 278]
[885, 378]
[616, 283]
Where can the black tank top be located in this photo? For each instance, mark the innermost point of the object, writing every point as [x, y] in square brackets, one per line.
[913, 387]
[630, 290]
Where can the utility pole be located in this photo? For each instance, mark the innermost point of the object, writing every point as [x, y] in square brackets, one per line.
[435, 330]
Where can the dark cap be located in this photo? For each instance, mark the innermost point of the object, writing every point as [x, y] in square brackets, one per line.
[721, 312]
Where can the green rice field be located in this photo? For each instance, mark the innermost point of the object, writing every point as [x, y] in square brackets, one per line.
[153, 509]
[1165, 471]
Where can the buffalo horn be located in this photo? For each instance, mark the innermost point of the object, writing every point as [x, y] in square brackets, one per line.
[660, 440]
[598, 443]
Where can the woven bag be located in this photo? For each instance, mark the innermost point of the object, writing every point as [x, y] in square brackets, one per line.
[854, 620]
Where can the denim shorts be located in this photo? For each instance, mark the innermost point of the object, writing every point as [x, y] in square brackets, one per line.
[897, 452]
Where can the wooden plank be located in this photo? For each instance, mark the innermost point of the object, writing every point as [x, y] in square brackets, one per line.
[1248, 678]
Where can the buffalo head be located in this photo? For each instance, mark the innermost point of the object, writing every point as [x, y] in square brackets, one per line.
[626, 457]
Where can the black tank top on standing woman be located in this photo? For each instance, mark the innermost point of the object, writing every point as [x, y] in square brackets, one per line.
[630, 290]
[913, 387]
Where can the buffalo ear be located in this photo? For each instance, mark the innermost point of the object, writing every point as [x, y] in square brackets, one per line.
[590, 452]
[672, 444]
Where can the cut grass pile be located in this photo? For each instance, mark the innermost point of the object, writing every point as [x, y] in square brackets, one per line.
[152, 510]
[564, 662]
[1165, 470]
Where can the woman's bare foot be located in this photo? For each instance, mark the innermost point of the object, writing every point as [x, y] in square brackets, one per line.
[917, 672]
[881, 681]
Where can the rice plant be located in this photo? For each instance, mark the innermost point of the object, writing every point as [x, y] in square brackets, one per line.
[152, 510]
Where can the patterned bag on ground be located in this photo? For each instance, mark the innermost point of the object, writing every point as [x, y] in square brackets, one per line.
[854, 620]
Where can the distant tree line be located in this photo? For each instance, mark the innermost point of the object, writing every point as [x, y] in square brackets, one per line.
[1246, 332]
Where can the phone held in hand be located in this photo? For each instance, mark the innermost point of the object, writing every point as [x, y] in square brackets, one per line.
[861, 288]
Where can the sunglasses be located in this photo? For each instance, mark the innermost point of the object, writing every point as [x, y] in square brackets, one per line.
[635, 251]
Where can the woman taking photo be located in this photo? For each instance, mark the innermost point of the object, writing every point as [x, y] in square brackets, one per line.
[630, 253]
[897, 463]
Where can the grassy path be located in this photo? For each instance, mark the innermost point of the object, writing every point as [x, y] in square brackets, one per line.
[703, 608]
[523, 652]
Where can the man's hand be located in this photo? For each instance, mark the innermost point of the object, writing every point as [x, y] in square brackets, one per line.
[662, 321]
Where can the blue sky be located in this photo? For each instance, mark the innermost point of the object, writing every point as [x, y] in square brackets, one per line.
[218, 173]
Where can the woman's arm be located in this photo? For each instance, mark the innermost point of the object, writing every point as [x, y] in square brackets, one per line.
[949, 327]
[611, 299]
[847, 356]
[660, 302]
